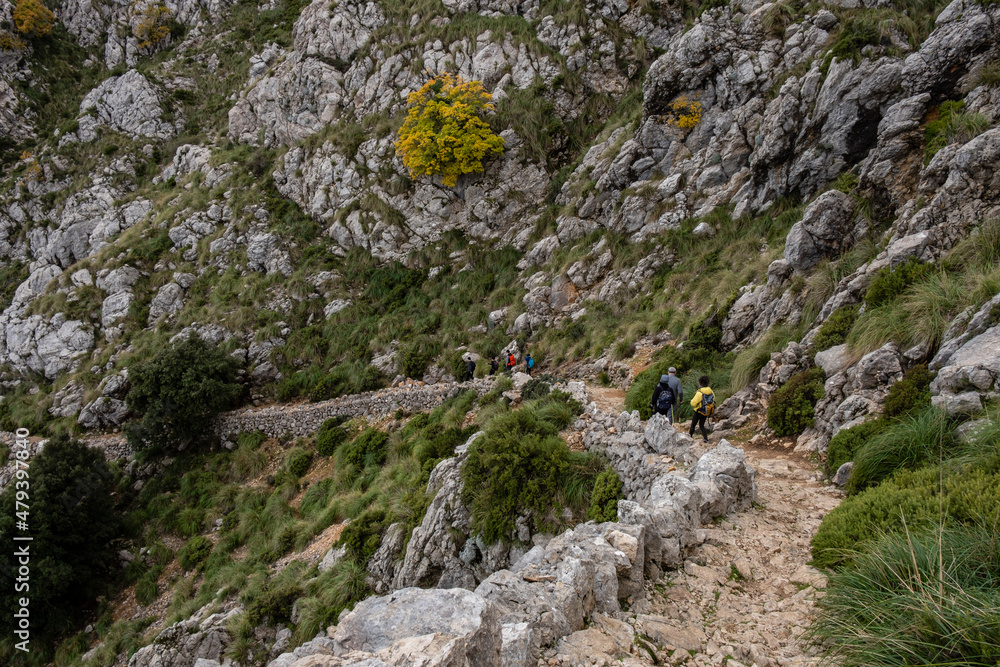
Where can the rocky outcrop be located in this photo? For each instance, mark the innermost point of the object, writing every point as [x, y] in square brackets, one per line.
[129, 104]
[202, 637]
[824, 231]
[968, 362]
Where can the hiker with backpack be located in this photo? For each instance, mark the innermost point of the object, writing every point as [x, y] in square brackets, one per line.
[470, 370]
[529, 364]
[667, 395]
[494, 365]
[704, 405]
[511, 361]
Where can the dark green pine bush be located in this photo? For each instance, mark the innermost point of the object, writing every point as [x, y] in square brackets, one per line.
[889, 282]
[849, 440]
[330, 436]
[791, 409]
[369, 448]
[834, 331]
[910, 393]
[361, 537]
[605, 496]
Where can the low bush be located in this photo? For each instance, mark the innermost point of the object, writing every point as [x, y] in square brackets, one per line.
[930, 598]
[361, 537]
[849, 440]
[275, 604]
[415, 357]
[437, 442]
[835, 329]
[605, 496]
[330, 436]
[370, 447]
[521, 467]
[889, 282]
[910, 393]
[910, 499]
[908, 443]
[535, 388]
[298, 461]
[194, 553]
[791, 408]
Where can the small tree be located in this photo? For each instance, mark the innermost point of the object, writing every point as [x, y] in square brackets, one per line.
[74, 525]
[152, 25]
[32, 18]
[443, 134]
[178, 393]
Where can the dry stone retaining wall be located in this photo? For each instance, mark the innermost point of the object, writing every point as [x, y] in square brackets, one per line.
[305, 419]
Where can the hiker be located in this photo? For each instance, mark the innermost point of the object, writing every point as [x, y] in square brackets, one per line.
[667, 395]
[470, 370]
[704, 405]
[511, 361]
[529, 364]
[494, 365]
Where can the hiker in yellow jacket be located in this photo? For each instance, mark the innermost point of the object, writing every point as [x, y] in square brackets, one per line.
[703, 404]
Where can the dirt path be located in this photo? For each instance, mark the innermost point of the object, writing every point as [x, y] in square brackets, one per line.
[746, 595]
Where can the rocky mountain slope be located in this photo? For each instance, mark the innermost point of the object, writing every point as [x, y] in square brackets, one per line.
[781, 185]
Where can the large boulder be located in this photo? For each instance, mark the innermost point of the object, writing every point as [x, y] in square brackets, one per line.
[129, 104]
[469, 623]
[725, 480]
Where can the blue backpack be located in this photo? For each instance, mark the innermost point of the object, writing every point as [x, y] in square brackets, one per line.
[531, 362]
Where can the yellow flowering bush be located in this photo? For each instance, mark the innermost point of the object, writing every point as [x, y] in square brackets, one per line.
[684, 113]
[443, 134]
[32, 18]
[10, 42]
[153, 26]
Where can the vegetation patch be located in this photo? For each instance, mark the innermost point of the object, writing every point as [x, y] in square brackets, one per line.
[835, 329]
[791, 408]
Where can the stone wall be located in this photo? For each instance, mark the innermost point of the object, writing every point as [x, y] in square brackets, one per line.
[306, 418]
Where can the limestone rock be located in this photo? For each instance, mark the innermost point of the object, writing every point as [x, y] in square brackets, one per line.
[824, 231]
[456, 614]
[726, 481]
[128, 104]
[104, 412]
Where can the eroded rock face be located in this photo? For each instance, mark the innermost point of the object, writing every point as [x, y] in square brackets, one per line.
[824, 231]
[129, 104]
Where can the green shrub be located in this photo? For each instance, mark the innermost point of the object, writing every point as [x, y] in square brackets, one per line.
[910, 499]
[437, 442]
[178, 392]
[849, 440]
[361, 537]
[74, 523]
[193, 553]
[930, 598]
[330, 436]
[910, 393]
[370, 447]
[605, 496]
[415, 357]
[792, 407]
[298, 461]
[856, 34]
[889, 283]
[518, 466]
[535, 388]
[275, 604]
[908, 443]
[835, 329]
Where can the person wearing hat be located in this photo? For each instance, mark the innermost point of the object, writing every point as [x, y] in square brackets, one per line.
[667, 394]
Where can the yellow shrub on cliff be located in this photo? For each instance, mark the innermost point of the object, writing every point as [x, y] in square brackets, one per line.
[684, 113]
[153, 24]
[10, 42]
[32, 18]
[443, 134]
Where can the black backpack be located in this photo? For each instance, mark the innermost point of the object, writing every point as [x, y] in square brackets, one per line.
[665, 399]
